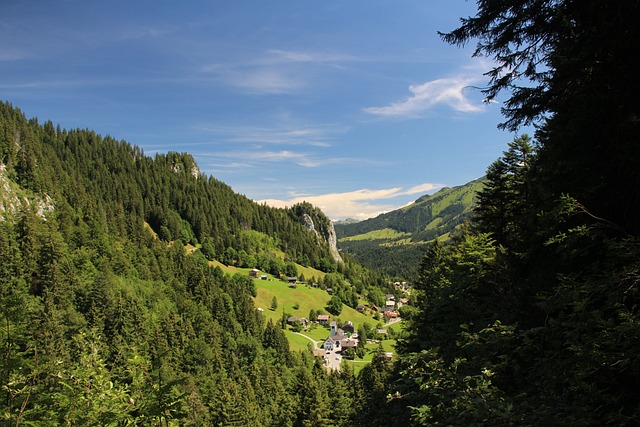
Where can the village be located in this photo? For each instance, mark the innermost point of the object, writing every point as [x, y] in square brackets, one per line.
[342, 341]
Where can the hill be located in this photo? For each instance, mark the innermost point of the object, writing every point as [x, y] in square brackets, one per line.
[115, 305]
[392, 242]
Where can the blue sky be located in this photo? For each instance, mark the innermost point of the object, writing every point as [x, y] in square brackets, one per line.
[356, 106]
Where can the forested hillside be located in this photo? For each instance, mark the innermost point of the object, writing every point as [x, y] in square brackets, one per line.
[393, 242]
[530, 315]
[111, 313]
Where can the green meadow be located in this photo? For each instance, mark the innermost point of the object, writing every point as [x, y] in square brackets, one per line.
[384, 234]
[305, 298]
[371, 350]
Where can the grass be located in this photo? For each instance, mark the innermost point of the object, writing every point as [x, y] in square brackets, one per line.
[297, 342]
[370, 351]
[434, 224]
[384, 234]
[306, 298]
[317, 332]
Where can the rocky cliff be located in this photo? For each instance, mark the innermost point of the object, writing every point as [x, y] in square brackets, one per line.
[14, 199]
[329, 235]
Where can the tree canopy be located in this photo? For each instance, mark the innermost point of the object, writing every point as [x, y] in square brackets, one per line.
[525, 317]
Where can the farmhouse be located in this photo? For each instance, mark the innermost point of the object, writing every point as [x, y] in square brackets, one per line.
[348, 343]
[323, 318]
[348, 326]
[254, 273]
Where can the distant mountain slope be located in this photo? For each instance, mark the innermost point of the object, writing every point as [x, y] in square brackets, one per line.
[392, 242]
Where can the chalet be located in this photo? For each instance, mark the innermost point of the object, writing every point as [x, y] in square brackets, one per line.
[254, 273]
[292, 320]
[347, 344]
[404, 300]
[333, 328]
[390, 297]
[390, 304]
[360, 308]
[374, 308]
[391, 314]
[323, 318]
[348, 327]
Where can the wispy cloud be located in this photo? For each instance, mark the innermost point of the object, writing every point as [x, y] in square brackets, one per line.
[451, 92]
[310, 135]
[252, 158]
[276, 55]
[360, 204]
[275, 71]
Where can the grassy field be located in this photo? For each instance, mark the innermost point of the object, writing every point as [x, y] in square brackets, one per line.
[384, 234]
[371, 349]
[305, 298]
[298, 342]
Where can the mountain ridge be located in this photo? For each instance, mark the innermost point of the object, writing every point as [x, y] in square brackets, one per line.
[392, 242]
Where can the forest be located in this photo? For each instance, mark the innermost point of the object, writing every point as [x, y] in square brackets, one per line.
[528, 316]
[112, 311]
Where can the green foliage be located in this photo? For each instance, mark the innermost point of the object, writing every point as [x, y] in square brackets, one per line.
[86, 395]
[528, 316]
[335, 305]
[103, 322]
[394, 242]
[451, 395]
[493, 332]
[503, 200]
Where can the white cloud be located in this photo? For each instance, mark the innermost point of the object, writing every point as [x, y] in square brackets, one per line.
[311, 135]
[360, 204]
[258, 79]
[447, 91]
[275, 71]
[251, 158]
[276, 55]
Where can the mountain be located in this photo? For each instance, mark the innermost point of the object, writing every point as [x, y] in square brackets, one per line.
[114, 308]
[392, 243]
[347, 221]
